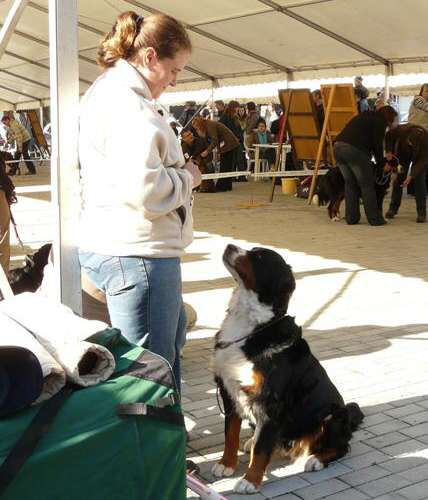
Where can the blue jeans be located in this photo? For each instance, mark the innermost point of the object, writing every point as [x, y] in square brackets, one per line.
[144, 301]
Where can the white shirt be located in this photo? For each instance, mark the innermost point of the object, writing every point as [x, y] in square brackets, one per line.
[131, 169]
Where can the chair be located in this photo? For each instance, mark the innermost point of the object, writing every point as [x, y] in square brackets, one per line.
[250, 153]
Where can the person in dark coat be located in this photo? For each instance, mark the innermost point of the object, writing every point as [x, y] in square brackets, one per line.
[230, 119]
[409, 143]
[362, 138]
[225, 141]
[192, 147]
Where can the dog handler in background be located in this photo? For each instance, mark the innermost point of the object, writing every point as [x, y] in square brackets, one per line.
[136, 215]
[361, 138]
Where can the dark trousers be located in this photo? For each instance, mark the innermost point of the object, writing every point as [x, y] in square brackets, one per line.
[419, 187]
[269, 155]
[227, 164]
[357, 170]
[28, 162]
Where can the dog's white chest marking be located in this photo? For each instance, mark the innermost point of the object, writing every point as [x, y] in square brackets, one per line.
[230, 363]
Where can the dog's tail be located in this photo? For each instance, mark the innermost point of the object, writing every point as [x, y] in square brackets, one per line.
[356, 416]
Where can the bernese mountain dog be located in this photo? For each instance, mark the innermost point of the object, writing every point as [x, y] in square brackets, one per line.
[331, 187]
[266, 373]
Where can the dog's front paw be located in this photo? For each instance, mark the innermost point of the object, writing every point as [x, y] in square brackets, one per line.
[313, 464]
[220, 470]
[248, 445]
[245, 487]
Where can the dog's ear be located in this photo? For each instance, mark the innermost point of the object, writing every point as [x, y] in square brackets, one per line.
[289, 325]
[283, 290]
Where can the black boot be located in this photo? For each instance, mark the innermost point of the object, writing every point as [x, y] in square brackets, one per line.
[391, 213]
[421, 217]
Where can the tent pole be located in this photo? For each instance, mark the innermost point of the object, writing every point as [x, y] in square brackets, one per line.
[388, 73]
[64, 79]
[10, 23]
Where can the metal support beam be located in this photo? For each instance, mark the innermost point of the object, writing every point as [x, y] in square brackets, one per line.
[98, 32]
[44, 43]
[290, 13]
[221, 41]
[39, 64]
[389, 71]
[64, 159]
[34, 98]
[10, 23]
[252, 14]
[12, 105]
[24, 78]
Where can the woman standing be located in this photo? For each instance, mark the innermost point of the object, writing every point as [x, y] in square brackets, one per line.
[418, 111]
[136, 216]
[230, 120]
[225, 141]
[360, 139]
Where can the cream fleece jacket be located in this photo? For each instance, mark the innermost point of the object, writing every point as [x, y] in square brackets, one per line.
[131, 172]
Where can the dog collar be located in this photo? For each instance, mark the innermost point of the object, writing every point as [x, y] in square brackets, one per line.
[273, 321]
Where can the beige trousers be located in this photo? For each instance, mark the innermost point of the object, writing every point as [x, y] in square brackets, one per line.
[4, 232]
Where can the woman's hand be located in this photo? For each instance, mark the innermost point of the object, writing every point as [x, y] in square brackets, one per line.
[204, 154]
[193, 169]
[406, 181]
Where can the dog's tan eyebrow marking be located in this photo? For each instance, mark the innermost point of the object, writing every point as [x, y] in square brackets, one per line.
[245, 270]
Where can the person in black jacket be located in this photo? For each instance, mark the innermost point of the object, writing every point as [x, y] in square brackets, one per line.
[409, 143]
[192, 147]
[361, 139]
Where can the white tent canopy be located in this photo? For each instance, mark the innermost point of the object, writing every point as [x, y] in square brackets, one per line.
[239, 42]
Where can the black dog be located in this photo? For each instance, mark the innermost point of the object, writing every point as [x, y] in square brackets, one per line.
[29, 278]
[267, 374]
[331, 189]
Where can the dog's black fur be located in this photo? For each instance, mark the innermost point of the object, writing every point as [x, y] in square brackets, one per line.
[289, 398]
[29, 277]
[331, 190]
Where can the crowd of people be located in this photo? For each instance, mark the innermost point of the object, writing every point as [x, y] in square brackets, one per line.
[230, 131]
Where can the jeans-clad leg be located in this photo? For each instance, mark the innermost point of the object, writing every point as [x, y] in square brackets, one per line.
[144, 301]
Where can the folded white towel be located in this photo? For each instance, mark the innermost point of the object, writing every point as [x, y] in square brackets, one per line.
[62, 334]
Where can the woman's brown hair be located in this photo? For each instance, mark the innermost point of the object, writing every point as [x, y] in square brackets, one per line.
[200, 123]
[231, 109]
[131, 33]
[422, 88]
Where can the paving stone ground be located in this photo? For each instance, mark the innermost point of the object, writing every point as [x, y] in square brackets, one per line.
[361, 297]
